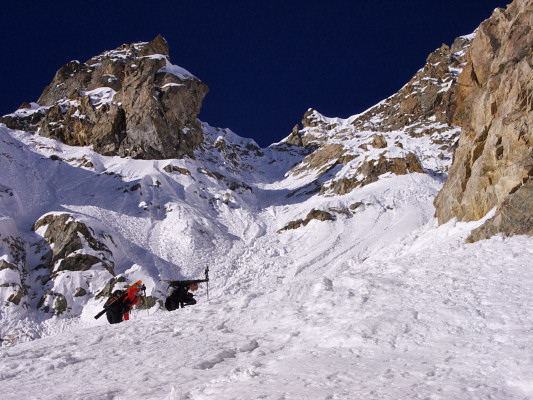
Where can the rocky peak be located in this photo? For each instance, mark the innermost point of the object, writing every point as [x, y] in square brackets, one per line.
[313, 119]
[157, 46]
[130, 101]
[493, 164]
[383, 139]
[425, 105]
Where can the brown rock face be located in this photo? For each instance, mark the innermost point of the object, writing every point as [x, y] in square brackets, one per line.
[371, 171]
[494, 158]
[513, 217]
[319, 215]
[129, 101]
[65, 236]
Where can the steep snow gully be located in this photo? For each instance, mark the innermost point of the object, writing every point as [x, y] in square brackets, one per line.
[379, 303]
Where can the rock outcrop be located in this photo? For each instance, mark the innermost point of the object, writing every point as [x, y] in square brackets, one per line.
[130, 101]
[13, 273]
[389, 134]
[514, 216]
[319, 215]
[370, 171]
[74, 249]
[493, 163]
[69, 240]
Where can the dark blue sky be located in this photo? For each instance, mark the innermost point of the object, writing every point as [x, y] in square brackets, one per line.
[265, 62]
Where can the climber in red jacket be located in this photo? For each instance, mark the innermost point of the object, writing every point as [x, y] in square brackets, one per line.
[120, 309]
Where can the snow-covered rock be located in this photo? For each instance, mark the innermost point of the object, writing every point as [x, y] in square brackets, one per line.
[130, 101]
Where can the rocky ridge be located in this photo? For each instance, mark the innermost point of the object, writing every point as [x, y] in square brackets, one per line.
[130, 102]
[13, 273]
[493, 165]
[69, 249]
[387, 137]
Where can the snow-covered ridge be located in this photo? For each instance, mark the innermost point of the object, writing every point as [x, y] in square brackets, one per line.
[122, 53]
[407, 132]
[130, 53]
[26, 112]
[315, 116]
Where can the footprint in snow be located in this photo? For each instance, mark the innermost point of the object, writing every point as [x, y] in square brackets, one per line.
[97, 339]
[249, 347]
[223, 328]
[220, 357]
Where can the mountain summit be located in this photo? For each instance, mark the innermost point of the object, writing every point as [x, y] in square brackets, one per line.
[130, 102]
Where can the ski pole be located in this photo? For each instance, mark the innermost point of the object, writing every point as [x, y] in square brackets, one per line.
[207, 281]
[146, 302]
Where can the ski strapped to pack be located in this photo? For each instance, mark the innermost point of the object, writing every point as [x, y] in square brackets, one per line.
[207, 281]
[145, 300]
[174, 283]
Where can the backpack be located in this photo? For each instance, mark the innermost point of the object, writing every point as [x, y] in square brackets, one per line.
[117, 294]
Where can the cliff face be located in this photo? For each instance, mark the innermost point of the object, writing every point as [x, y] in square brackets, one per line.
[493, 163]
[130, 101]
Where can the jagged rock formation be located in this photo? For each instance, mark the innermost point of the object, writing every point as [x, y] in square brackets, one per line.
[493, 164]
[337, 166]
[389, 134]
[74, 248]
[425, 105]
[66, 237]
[130, 101]
[13, 273]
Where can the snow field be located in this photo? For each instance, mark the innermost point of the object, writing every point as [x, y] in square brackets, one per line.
[404, 325]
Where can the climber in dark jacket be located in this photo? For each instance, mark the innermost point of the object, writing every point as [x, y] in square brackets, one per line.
[179, 295]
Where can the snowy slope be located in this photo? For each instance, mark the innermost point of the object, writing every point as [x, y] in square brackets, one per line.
[428, 317]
